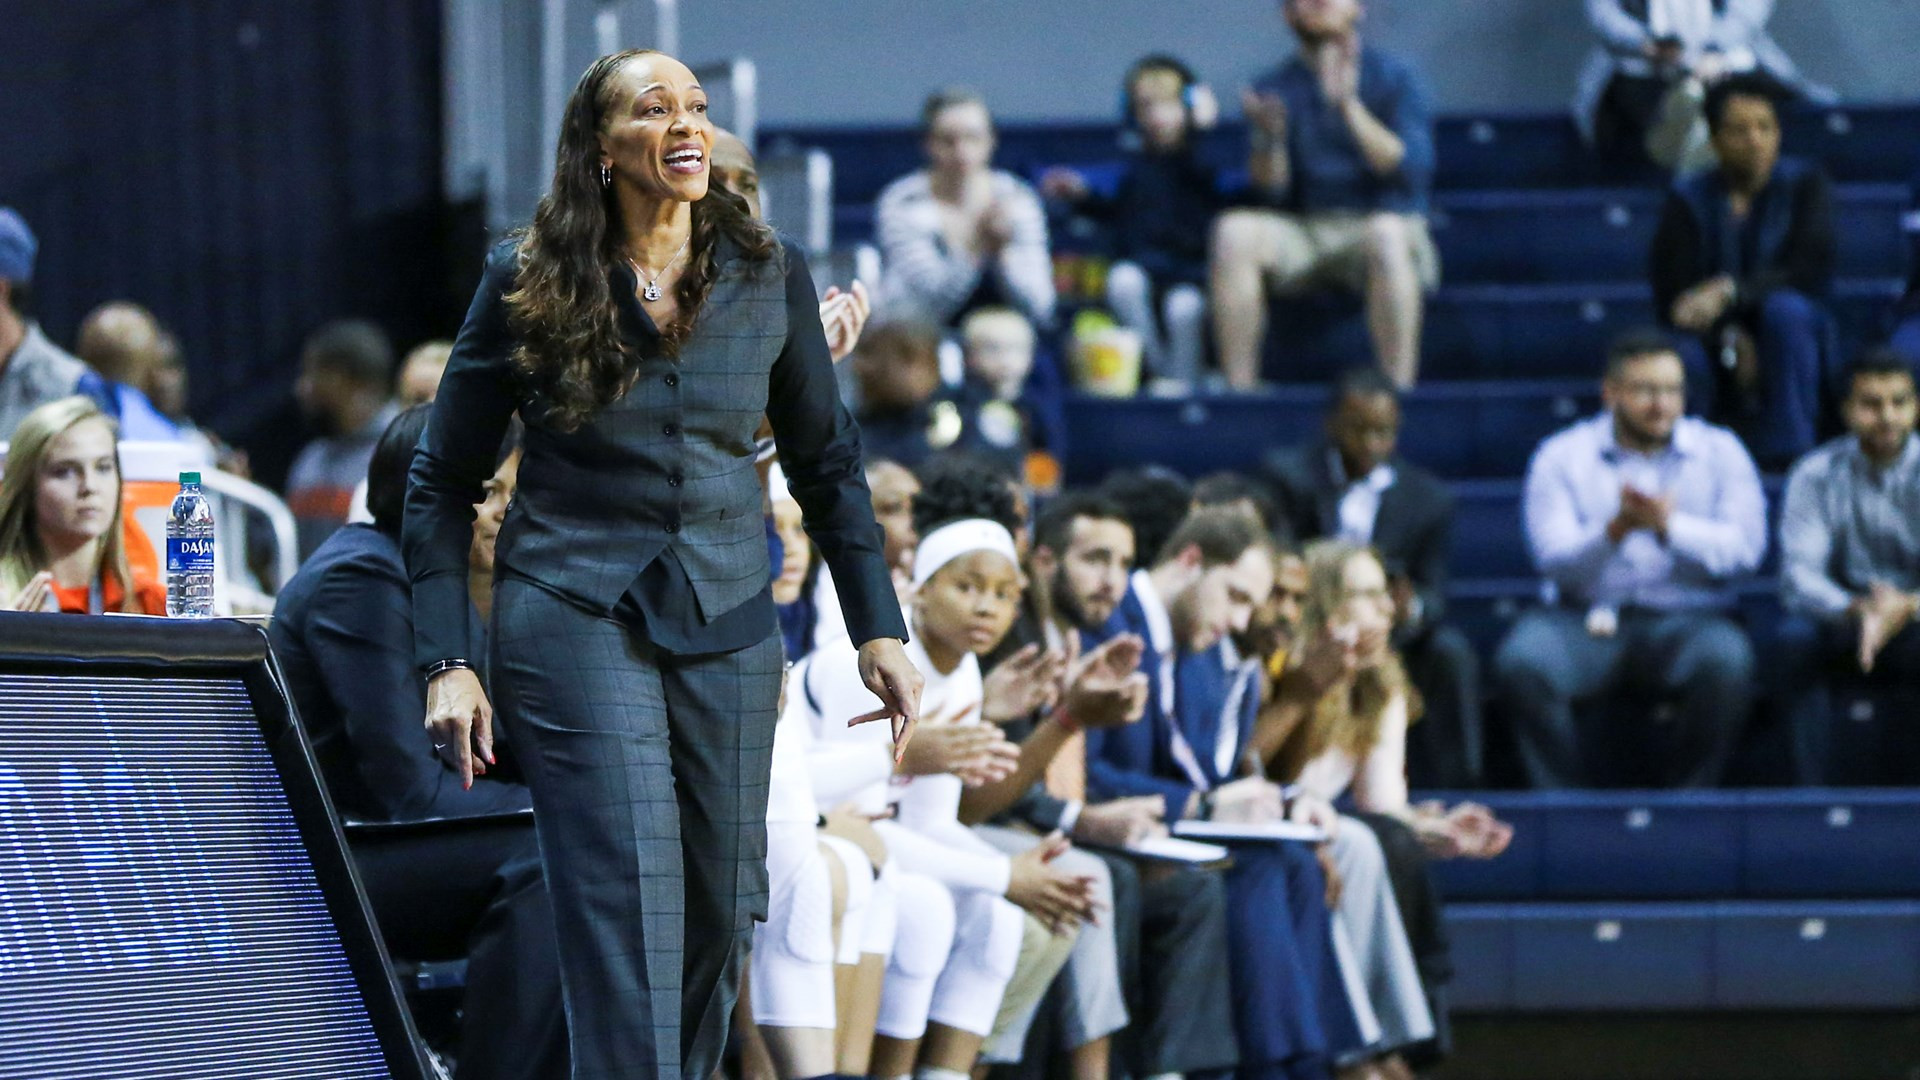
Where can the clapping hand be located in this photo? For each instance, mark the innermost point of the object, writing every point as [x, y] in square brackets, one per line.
[36, 595]
[1700, 307]
[1022, 684]
[1106, 687]
[978, 754]
[842, 316]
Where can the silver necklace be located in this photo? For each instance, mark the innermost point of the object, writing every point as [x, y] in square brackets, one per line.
[652, 289]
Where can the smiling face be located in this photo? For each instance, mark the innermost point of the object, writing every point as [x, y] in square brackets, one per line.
[654, 131]
[968, 605]
[78, 488]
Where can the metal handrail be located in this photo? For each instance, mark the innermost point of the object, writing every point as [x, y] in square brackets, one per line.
[286, 539]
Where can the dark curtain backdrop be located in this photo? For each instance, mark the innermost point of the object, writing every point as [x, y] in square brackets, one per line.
[245, 168]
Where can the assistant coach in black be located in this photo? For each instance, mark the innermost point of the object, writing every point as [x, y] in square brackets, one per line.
[641, 326]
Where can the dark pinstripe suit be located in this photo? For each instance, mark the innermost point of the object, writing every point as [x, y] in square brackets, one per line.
[635, 660]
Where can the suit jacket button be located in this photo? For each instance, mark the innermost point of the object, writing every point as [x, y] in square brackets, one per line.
[674, 480]
[673, 380]
[669, 431]
[672, 527]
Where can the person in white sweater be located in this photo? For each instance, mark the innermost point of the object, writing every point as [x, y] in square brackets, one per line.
[960, 234]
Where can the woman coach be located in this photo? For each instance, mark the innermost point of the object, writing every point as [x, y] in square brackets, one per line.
[641, 326]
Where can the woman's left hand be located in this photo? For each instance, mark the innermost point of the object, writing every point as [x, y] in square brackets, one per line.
[886, 671]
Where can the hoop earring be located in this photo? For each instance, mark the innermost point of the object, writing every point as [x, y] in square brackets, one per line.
[606, 175]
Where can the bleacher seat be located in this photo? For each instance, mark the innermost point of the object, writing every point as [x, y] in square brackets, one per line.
[1835, 843]
[1456, 429]
[1686, 956]
[1603, 234]
[1535, 331]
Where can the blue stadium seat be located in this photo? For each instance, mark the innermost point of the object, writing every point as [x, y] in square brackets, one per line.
[1874, 736]
[1630, 845]
[1481, 941]
[1612, 956]
[1458, 430]
[1831, 843]
[1585, 234]
[1817, 956]
[1489, 539]
[1484, 609]
[1736, 955]
[1510, 331]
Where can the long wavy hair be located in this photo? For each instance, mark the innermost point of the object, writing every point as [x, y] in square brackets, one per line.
[1348, 720]
[22, 555]
[561, 308]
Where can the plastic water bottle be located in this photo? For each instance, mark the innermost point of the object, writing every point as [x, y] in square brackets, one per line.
[190, 552]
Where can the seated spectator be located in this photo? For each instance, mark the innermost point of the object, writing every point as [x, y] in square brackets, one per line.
[33, 370]
[1352, 741]
[1641, 90]
[1172, 918]
[958, 488]
[1295, 1013]
[64, 534]
[967, 586]
[795, 568]
[904, 413]
[1236, 491]
[420, 373]
[122, 342]
[166, 387]
[842, 313]
[1743, 261]
[343, 633]
[893, 487]
[1355, 737]
[345, 376]
[1343, 153]
[1850, 556]
[1641, 519]
[1155, 499]
[960, 234]
[1006, 410]
[1159, 217]
[1352, 485]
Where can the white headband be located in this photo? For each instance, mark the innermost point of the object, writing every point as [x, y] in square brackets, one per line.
[950, 541]
[777, 490]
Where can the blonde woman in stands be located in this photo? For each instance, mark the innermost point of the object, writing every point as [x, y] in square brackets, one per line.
[62, 541]
[1355, 738]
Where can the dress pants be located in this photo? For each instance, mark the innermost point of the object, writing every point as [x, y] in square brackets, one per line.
[1811, 655]
[445, 890]
[1292, 1011]
[649, 779]
[1549, 663]
[1794, 336]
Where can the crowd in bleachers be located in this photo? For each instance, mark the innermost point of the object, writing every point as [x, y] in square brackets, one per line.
[1270, 650]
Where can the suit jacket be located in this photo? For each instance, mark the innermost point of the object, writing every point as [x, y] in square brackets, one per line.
[343, 633]
[1413, 531]
[661, 479]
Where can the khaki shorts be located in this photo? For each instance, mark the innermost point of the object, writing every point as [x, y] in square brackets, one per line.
[1314, 251]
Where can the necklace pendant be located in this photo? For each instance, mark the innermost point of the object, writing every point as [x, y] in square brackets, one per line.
[652, 291]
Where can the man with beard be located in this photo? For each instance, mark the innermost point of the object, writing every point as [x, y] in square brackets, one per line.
[346, 376]
[1169, 923]
[1641, 519]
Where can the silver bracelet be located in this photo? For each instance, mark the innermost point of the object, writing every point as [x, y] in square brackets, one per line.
[439, 666]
